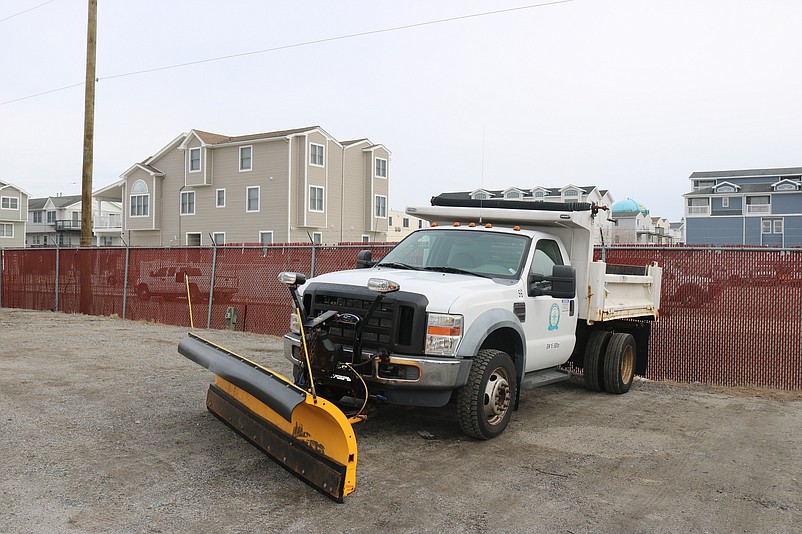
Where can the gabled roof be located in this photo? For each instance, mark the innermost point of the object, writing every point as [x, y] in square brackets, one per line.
[3, 185]
[781, 171]
[371, 148]
[150, 169]
[57, 202]
[351, 142]
[795, 183]
[208, 138]
[730, 184]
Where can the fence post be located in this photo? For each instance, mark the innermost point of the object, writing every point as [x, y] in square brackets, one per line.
[125, 280]
[58, 257]
[604, 253]
[211, 285]
[312, 267]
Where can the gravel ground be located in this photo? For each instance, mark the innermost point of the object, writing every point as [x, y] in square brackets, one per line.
[104, 429]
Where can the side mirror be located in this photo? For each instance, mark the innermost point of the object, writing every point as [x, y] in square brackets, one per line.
[364, 259]
[560, 285]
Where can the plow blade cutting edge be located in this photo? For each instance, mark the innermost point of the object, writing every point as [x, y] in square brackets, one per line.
[309, 437]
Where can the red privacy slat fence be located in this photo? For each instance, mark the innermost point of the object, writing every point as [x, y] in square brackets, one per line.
[729, 316]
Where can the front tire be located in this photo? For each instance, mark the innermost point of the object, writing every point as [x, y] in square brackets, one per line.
[619, 363]
[485, 403]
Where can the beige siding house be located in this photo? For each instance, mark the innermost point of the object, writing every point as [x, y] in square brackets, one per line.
[274, 187]
[13, 215]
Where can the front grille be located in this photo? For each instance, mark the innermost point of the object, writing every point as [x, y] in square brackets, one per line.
[397, 325]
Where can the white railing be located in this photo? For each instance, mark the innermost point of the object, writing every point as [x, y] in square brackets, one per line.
[761, 209]
[698, 210]
[112, 221]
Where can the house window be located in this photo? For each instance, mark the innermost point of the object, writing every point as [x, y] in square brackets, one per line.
[266, 238]
[512, 194]
[6, 230]
[702, 184]
[769, 226]
[193, 239]
[188, 203]
[758, 204]
[405, 222]
[220, 201]
[380, 204]
[219, 238]
[316, 154]
[381, 168]
[106, 241]
[539, 195]
[9, 203]
[725, 189]
[420, 224]
[317, 238]
[725, 202]
[390, 220]
[139, 200]
[315, 198]
[245, 158]
[571, 193]
[252, 199]
[365, 238]
[37, 216]
[194, 159]
[51, 217]
[480, 196]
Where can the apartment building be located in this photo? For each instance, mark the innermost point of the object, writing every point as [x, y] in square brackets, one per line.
[56, 221]
[401, 224]
[280, 186]
[13, 214]
[755, 207]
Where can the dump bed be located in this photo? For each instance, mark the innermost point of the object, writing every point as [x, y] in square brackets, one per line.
[621, 292]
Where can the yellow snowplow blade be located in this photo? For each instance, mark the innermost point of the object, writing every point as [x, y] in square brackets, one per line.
[309, 437]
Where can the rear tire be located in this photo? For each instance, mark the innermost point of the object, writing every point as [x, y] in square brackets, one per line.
[485, 403]
[593, 370]
[619, 363]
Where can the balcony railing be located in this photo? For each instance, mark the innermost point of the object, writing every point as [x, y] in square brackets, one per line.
[758, 209]
[108, 222]
[67, 225]
[698, 210]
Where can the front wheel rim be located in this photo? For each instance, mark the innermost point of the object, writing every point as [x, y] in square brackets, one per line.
[627, 364]
[497, 396]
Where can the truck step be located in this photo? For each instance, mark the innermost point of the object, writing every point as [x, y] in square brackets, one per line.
[537, 379]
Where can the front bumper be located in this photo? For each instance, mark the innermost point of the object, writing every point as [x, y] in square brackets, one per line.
[402, 372]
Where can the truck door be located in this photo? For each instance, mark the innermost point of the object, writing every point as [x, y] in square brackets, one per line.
[550, 323]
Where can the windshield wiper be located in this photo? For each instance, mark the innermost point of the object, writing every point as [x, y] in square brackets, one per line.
[454, 270]
[398, 265]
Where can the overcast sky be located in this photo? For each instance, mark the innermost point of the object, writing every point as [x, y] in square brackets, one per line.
[629, 95]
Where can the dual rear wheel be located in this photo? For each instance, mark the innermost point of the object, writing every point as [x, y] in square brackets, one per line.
[610, 362]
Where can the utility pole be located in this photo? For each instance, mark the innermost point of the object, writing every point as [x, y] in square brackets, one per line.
[89, 127]
[85, 261]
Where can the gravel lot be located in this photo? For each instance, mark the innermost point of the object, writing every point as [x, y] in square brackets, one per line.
[104, 429]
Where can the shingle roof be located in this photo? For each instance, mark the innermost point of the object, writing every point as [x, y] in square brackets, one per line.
[782, 171]
[217, 139]
[58, 202]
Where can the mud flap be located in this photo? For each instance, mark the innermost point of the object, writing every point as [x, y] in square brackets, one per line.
[311, 438]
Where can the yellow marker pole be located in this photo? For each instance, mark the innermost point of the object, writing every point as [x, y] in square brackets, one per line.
[189, 301]
[306, 354]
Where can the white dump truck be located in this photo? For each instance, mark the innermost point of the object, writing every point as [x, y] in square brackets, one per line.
[492, 298]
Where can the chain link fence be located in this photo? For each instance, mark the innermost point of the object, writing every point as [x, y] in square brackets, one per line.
[729, 316]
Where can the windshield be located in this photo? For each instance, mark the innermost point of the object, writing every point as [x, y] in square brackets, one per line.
[474, 252]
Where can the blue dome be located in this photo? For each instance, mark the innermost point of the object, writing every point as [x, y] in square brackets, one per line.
[629, 206]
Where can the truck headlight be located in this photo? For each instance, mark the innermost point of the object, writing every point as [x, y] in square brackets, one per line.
[295, 324]
[443, 333]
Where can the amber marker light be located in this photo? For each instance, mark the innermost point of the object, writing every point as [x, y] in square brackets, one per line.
[472, 225]
[457, 224]
[516, 228]
[488, 225]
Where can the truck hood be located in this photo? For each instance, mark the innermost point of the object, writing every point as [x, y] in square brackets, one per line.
[441, 289]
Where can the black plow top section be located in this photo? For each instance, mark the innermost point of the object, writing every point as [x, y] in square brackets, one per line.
[281, 396]
[510, 204]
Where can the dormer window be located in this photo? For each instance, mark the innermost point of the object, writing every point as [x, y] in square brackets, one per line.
[194, 159]
[786, 185]
[539, 195]
[512, 194]
[726, 189]
[571, 193]
[480, 196]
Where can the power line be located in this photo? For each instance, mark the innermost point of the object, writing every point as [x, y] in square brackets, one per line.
[27, 10]
[298, 45]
